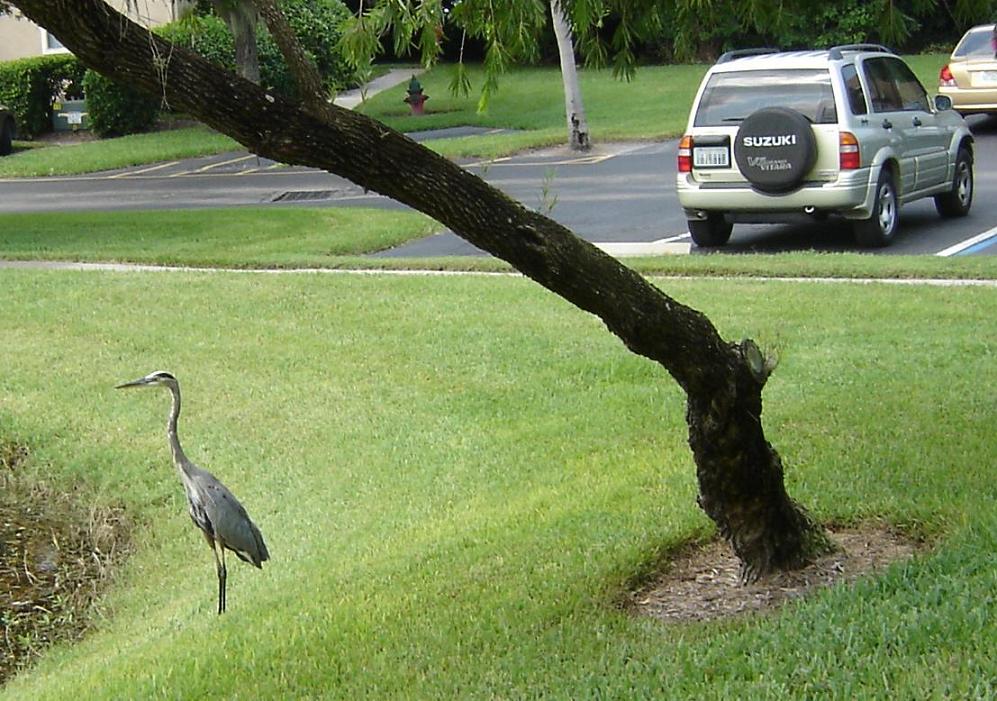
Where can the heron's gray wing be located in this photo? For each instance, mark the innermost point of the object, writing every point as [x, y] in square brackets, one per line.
[231, 523]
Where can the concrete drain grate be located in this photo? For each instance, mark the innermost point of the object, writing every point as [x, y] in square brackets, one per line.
[304, 196]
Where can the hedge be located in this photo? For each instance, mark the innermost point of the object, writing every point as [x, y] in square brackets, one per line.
[116, 110]
[29, 86]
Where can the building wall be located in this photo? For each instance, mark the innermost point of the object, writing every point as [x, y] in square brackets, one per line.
[21, 38]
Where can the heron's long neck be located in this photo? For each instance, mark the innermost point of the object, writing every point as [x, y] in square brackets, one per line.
[179, 458]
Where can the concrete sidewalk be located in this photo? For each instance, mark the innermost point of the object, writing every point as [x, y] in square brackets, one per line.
[351, 98]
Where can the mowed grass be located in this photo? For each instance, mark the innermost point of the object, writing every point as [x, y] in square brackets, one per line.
[228, 237]
[458, 476]
[655, 104]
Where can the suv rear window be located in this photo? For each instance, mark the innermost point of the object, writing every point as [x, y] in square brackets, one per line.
[730, 97]
[979, 44]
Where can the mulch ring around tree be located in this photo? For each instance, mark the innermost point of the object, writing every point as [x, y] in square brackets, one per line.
[701, 583]
[57, 553]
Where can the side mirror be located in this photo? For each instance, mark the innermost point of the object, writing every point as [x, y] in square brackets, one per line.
[943, 102]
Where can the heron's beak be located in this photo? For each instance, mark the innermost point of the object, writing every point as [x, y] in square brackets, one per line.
[134, 383]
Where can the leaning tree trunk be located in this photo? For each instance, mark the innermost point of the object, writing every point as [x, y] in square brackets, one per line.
[574, 110]
[740, 474]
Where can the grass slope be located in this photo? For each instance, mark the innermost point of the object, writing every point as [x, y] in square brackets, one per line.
[458, 476]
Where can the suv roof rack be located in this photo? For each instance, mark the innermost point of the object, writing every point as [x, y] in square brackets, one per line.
[741, 53]
[835, 52]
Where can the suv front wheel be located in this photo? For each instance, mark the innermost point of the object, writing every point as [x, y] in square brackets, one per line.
[880, 228]
[712, 231]
[957, 201]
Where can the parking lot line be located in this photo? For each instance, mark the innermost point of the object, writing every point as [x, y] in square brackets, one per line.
[971, 245]
[212, 166]
[129, 173]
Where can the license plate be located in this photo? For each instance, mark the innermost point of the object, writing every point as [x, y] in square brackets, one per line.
[985, 78]
[710, 157]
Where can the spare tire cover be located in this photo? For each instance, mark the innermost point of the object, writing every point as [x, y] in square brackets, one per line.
[775, 148]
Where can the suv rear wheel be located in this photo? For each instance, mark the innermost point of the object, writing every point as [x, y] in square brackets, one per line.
[880, 228]
[712, 231]
[957, 201]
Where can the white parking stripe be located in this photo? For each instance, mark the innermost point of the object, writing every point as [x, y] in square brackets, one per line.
[963, 245]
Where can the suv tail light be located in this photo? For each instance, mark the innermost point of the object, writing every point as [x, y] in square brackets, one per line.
[685, 154]
[849, 156]
[945, 77]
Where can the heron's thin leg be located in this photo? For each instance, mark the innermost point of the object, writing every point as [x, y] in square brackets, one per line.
[219, 551]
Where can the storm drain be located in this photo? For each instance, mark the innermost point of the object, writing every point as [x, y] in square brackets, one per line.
[304, 196]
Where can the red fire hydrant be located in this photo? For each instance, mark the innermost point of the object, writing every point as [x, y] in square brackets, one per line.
[415, 98]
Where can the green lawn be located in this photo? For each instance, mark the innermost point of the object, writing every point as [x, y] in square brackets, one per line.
[654, 105]
[456, 477]
[237, 237]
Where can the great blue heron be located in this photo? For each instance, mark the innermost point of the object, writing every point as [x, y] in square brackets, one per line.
[213, 508]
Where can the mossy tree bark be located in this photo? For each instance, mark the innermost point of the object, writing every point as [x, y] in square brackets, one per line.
[740, 474]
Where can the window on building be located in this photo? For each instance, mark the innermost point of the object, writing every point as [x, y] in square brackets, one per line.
[51, 45]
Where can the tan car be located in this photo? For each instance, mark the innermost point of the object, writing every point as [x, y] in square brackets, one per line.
[970, 76]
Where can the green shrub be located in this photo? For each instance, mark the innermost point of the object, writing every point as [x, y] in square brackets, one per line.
[29, 86]
[116, 109]
[316, 24]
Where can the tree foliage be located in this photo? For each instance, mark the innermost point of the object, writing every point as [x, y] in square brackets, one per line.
[612, 32]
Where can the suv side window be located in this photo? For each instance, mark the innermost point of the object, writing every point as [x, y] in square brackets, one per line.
[893, 87]
[853, 89]
[912, 93]
[882, 90]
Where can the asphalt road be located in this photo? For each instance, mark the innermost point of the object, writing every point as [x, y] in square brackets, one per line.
[620, 196]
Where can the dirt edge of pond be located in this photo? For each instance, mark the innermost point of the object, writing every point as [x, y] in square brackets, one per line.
[58, 553]
[700, 582]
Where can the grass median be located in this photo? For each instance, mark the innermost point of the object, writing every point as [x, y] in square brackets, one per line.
[292, 237]
[457, 478]
[275, 237]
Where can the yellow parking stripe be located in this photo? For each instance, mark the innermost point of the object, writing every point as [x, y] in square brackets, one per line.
[143, 170]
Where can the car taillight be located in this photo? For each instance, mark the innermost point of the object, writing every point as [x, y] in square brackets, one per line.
[945, 77]
[849, 156]
[685, 154]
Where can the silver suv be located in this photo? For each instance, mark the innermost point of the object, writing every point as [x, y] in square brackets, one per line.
[847, 131]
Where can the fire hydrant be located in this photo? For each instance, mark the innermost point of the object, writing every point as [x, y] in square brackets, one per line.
[415, 98]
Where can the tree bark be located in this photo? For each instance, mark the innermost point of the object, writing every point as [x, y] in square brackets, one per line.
[574, 110]
[740, 474]
[240, 18]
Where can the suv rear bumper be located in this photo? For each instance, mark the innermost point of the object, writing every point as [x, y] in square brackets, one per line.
[849, 196]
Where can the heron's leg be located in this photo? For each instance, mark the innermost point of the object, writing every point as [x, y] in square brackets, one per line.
[219, 551]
